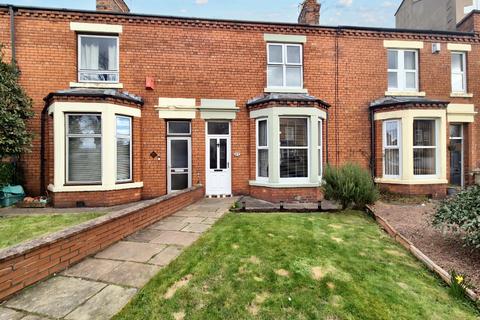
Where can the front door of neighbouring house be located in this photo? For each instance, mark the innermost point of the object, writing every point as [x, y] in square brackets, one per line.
[179, 156]
[456, 155]
[218, 169]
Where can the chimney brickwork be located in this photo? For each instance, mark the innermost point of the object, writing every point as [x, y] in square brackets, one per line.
[310, 13]
[112, 6]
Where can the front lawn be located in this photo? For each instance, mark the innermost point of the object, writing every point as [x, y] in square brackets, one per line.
[17, 229]
[332, 266]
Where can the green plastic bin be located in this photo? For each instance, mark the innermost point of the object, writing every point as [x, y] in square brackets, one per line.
[10, 195]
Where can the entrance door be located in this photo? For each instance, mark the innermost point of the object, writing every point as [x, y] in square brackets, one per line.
[218, 171]
[179, 163]
[456, 155]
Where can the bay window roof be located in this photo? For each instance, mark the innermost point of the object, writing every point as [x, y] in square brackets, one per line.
[287, 98]
[96, 93]
[406, 103]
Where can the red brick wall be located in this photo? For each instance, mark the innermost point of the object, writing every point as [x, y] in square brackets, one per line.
[36, 261]
[96, 198]
[276, 195]
[436, 191]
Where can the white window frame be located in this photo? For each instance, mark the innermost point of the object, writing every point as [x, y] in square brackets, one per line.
[122, 136]
[259, 147]
[436, 147]
[79, 59]
[285, 64]
[402, 72]
[295, 180]
[463, 74]
[68, 135]
[397, 147]
[320, 149]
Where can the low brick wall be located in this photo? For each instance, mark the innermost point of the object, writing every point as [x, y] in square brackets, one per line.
[286, 195]
[96, 198]
[30, 262]
[436, 191]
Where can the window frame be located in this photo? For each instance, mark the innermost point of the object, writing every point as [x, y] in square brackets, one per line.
[258, 147]
[67, 147]
[436, 147]
[463, 74]
[179, 134]
[294, 180]
[320, 149]
[387, 147]
[130, 136]
[285, 64]
[402, 72]
[79, 58]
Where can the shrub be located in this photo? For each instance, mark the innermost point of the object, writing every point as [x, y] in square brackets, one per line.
[350, 185]
[7, 172]
[461, 215]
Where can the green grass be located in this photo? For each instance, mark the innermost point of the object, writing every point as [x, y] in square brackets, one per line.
[232, 272]
[17, 229]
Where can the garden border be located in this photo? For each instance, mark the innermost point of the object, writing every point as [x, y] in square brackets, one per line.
[402, 240]
[27, 263]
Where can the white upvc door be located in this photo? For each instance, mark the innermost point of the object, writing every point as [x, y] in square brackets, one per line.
[179, 163]
[218, 168]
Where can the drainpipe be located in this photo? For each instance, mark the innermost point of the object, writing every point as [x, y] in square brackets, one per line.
[372, 143]
[11, 9]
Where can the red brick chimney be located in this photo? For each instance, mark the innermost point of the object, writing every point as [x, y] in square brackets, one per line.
[112, 5]
[310, 13]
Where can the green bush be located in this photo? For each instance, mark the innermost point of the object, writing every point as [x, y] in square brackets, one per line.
[351, 185]
[7, 172]
[461, 215]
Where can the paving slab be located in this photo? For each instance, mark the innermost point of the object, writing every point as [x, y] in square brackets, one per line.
[185, 213]
[166, 256]
[131, 274]
[193, 219]
[178, 238]
[169, 226]
[197, 227]
[92, 268]
[172, 218]
[55, 297]
[34, 317]
[103, 305]
[131, 251]
[9, 314]
[145, 235]
[210, 221]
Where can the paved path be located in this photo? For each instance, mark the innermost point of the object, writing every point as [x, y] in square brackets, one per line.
[100, 286]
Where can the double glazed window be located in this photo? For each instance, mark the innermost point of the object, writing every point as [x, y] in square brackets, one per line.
[294, 143]
[402, 70]
[285, 68]
[98, 58]
[391, 148]
[459, 74]
[124, 148]
[320, 146]
[84, 148]
[424, 147]
[262, 148]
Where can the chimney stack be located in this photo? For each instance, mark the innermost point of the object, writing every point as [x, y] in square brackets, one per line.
[310, 13]
[112, 6]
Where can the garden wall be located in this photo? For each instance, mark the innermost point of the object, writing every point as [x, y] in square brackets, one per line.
[28, 263]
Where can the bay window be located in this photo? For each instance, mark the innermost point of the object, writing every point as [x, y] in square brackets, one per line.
[98, 58]
[320, 149]
[294, 148]
[402, 70]
[391, 148]
[459, 75]
[262, 149]
[84, 148]
[285, 66]
[124, 148]
[424, 147]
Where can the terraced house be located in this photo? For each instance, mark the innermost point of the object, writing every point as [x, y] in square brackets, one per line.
[132, 106]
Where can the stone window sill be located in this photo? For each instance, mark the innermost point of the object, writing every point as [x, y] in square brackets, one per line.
[96, 85]
[405, 94]
[461, 95]
[88, 188]
[283, 185]
[411, 182]
[285, 90]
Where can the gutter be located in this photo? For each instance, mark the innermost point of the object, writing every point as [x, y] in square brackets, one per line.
[11, 10]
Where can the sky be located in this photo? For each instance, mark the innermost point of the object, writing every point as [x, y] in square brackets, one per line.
[369, 13]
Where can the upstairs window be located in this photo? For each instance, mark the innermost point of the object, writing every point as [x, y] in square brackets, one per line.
[285, 66]
[402, 70]
[459, 74]
[98, 59]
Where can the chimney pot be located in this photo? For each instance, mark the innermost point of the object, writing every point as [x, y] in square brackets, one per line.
[112, 6]
[310, 13]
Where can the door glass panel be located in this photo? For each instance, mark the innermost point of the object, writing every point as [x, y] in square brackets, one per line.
[223, 153]
[218, 128]
[455, 131]
[179, 127]
[456, 162]
[179, 181]
[213, 153]
[179, 154]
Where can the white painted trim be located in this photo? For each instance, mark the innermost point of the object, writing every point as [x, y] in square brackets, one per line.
[218, 109]
[93, 107]
[80, 188]
[284, 185]
[285, 90]
[106, 85]
[405, 94]
[411, 182]
[176, 102]
[169, 160]
[218, 104]
[461, 95]
[286, 111]
[396, 44]
[177, 108]
[268, 37]
[95, 27]
[459, 47]
[461, 113]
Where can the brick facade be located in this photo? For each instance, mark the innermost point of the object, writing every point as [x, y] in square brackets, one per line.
[215, 59]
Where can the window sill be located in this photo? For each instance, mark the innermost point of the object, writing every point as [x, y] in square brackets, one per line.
[283, 185]
[461, 95]
[89, 188]
[285, 90]
[96, 85]
[405, 94]
[411, 182]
